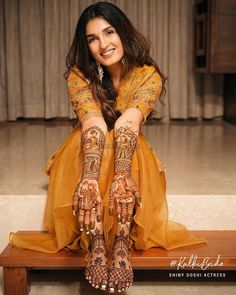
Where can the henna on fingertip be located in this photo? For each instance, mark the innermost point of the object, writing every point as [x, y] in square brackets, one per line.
[81, 226]
[129, 218]
[75, 204]
[81, 219]
[99, 212]
[87, 221]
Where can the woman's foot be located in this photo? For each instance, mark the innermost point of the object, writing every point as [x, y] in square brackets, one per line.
[97, 269]
[121, 273]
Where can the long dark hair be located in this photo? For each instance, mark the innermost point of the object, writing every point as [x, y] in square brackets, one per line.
[136, 53]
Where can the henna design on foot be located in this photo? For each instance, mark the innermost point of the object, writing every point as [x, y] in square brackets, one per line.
[120, 274]
[97, 270]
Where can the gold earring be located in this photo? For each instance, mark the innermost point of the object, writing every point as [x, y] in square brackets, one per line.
[122, 60]
[100, 71]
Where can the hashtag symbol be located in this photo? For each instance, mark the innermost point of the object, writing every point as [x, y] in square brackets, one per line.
[173, 263]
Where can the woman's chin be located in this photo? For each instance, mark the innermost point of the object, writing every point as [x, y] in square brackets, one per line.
[110, 63]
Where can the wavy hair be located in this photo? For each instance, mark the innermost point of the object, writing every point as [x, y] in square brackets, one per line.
[136, 53]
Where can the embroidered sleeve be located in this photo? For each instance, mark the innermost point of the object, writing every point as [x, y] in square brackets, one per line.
[81, 96]
[146, 94]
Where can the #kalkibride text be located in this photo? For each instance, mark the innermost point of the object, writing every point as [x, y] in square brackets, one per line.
[193, 261]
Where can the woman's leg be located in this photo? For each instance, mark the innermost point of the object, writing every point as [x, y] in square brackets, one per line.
[97, 269]
[121, 273]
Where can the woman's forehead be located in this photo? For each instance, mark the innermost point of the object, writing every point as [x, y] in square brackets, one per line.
[96, 26]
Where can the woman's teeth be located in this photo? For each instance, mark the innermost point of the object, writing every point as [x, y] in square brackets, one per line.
[109, 52]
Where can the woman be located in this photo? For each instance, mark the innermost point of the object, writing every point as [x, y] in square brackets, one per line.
[105, 171]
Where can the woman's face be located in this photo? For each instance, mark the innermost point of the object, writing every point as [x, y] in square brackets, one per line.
[104, 43]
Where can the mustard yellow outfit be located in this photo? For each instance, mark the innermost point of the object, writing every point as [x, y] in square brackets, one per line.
[150, 228]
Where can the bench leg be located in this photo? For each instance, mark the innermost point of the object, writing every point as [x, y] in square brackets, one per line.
[16, 281]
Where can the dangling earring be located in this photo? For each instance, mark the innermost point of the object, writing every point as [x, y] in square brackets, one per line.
[100, 71]
[122, 60]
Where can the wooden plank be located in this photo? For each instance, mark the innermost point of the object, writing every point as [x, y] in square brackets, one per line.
[16, 281]
[221, 245]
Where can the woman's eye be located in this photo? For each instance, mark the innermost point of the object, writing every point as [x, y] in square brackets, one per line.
[91, 40]
[110, 32]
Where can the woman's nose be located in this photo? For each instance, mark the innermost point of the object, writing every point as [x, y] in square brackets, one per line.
[103, 43]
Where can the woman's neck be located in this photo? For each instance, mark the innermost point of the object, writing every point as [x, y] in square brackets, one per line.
[115, 72]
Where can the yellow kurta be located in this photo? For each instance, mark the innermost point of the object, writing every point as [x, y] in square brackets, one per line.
[150, 227]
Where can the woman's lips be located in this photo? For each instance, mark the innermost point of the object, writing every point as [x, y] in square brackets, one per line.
[108, 53]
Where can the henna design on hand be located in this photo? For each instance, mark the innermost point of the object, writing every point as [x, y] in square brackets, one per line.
[87, 197]
[124, 193]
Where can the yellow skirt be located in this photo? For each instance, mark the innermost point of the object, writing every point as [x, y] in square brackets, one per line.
[150, 226]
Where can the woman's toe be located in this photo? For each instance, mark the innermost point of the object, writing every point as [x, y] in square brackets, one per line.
[119, 286]
[104, 284]
[111, 288]
[123, 285]
[97, 281]
[93, 282]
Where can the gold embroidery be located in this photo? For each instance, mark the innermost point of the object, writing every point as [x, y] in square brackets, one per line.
[82, 100]
[139, 89]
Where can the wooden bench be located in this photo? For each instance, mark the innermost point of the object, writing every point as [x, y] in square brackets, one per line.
[18, 262]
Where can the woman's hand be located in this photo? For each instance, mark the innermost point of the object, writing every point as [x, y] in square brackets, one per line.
[124, 195]
[87, 203]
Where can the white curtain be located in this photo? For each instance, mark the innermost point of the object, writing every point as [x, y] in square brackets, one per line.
[35, 37]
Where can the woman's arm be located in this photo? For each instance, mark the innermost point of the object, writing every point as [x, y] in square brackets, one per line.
[94, 131]
[128, 125]
[126, 132]
[124, 192]
[94, 121]
[87, 196]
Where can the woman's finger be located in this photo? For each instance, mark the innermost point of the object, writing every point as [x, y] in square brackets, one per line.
[99, 212]
[92, 218]
[123, 211]
[87, 221]
[130, 207]
[111, 204]
[137, 198]
[81, 202]
[75, 203]
[98, 206]
[118, 210]
[81, 219]
[98, 198]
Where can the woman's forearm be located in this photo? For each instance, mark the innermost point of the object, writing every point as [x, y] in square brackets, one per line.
[93, 139]
[94, 121]
[125, 137]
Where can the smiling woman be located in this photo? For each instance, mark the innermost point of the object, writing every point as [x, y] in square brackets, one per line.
[107, 188]
[105, 46]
